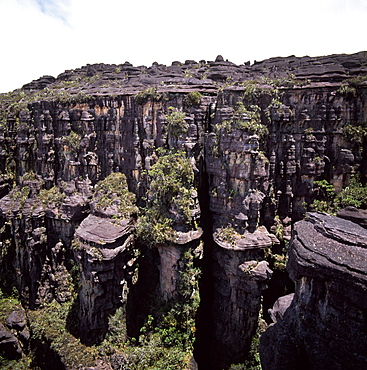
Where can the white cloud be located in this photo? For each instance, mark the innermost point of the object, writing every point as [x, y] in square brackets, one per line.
[48, 36]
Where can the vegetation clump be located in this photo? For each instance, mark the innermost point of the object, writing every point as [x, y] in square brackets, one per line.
[326, 200]
[51, 198]
[149, 94]
[113, 192]
[192, 99]
[169, 199]
[49, 326]
[72, 141]
[355, 133]
[176, 124]
[246, 118]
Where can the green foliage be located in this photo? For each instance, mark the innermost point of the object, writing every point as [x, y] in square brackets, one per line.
[29, 176]
[148, 94]
[355, 133]
[51, 198]
[153, 356]
[18, 100]
[19, 197]
[166, 340]
[278, 261]
[113, 191]
[192, 99]
[169, 198]
[7, 305]
[354, 194]
[72, 141]
[228, 235]
[176, 325]
[253, 357]
[324, 197]
[325, 189]
[357, 80]
[246, 119]
[176, 124]
[48, 325]
[25, 362]
[347, 91]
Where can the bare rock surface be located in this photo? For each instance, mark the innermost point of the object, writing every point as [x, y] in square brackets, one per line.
[358, 216]
[325, 325]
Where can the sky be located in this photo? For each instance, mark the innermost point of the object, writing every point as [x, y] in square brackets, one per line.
[47, 37]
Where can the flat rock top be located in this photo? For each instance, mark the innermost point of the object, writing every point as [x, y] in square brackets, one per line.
[329, 246]
[260, 238]
[207, 76]
[102, 230]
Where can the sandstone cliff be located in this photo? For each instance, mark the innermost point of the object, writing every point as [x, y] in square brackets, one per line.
[246, 144]
[325, 325]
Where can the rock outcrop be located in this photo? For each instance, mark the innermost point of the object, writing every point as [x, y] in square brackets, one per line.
[240, 274]
[325, 325]
[255, 137]
[104, 250]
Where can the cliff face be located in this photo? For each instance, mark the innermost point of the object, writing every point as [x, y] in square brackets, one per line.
[325, 325]
[256, 138]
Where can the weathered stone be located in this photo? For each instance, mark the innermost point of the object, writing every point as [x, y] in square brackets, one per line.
[246, 179]
[280, 306]
[324, 327]
[240, 275]
[9, 345]
[359, 216]
[16, 320]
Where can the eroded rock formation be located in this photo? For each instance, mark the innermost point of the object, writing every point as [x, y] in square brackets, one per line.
[256, 138]
[325, 325]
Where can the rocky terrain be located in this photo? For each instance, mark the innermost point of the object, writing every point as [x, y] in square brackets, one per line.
[325, 325]
[146, 214]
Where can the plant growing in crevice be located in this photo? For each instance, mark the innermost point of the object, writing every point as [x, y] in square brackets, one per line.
[354, 194]
[19, 197]
[51, 198]
[176, 124]
[113, 192]
[192, 99]
[355, 133]
[169, 199]
[149, 94]
[176, 322]
[72, 141]
[325, 194]
[347, 91]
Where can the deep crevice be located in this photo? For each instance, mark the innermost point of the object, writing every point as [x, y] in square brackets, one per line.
[204, 325]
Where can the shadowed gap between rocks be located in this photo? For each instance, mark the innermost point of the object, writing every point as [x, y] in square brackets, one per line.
[204, 316]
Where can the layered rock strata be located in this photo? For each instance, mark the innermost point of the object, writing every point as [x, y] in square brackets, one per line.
[240, 274]
[104, 250]
[257, 137]
[325, 325]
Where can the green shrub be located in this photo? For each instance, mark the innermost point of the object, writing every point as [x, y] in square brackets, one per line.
[176, 124]
[51, 198]
[355, 133]
[354, 194]
[113, 191]
[72, 141]
[148, 94]
[192, 99]
[246, 119]
[19, 197]
[169, 198]
[347, 91]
